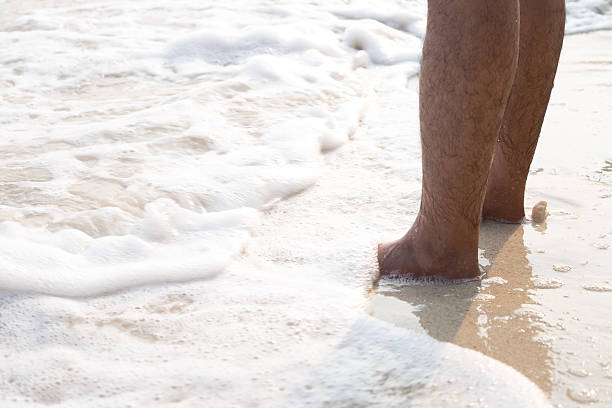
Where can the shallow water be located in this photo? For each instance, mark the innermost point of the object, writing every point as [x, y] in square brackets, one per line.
[191, 195]
[540, 308]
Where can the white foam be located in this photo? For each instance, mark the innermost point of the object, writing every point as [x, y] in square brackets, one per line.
[588, 15]
[411, 19]
[214, 121]
[294, 341]
[170, 244]
[220, 48]
[141, 143]
[384, 45]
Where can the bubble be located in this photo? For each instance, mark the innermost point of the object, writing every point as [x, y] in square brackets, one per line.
[483, 297]
[547, 283]
[496, 280]
[583, 395]
[579, 372]
[598, 288]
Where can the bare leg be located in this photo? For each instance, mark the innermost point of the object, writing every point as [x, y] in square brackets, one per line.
[469, 62]
[542, 24]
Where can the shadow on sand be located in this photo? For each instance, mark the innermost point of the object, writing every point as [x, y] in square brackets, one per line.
[494, 316]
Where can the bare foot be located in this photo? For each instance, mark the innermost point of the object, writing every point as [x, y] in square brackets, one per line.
[416, 257]
[502, 215]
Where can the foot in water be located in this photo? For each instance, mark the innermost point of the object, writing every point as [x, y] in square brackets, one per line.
[418, 256]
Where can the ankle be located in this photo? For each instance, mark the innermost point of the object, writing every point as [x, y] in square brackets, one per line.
[505, 195]
[445, 243]
[504, 206]
[441, 235]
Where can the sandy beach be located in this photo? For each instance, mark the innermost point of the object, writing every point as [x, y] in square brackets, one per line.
[541, 307]
[192, 195]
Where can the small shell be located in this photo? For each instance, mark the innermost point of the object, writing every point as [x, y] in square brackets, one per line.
[539, 213]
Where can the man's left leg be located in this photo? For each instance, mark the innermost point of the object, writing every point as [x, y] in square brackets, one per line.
[542, 23]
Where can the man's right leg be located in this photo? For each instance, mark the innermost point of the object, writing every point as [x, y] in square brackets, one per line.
[469, 62]
[541, 35]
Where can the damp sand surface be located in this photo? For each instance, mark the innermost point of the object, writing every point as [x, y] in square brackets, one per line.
[542, 306]
[192, 195]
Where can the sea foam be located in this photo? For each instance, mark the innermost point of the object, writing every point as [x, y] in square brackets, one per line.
[142, 145]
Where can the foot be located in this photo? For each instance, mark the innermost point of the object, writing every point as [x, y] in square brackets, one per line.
[499, 211]
[416, 257]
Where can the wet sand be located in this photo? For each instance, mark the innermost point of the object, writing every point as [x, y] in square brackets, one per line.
[543, 305]
[127, 156]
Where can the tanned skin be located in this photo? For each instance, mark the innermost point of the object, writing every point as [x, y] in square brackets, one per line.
[471, 62]
[542, 24]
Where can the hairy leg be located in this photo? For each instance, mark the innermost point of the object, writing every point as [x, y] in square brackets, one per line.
[542, 23]
[469, 62]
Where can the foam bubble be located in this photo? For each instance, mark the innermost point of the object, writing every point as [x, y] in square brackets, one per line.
[170, 244]
[383, 45]
[142, 142]
[588, 15]
[547, 283]
[583, 395]
[598, 288]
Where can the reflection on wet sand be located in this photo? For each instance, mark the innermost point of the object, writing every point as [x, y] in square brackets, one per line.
[493, 316]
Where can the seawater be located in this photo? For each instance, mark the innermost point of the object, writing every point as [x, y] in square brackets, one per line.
[144, 147]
